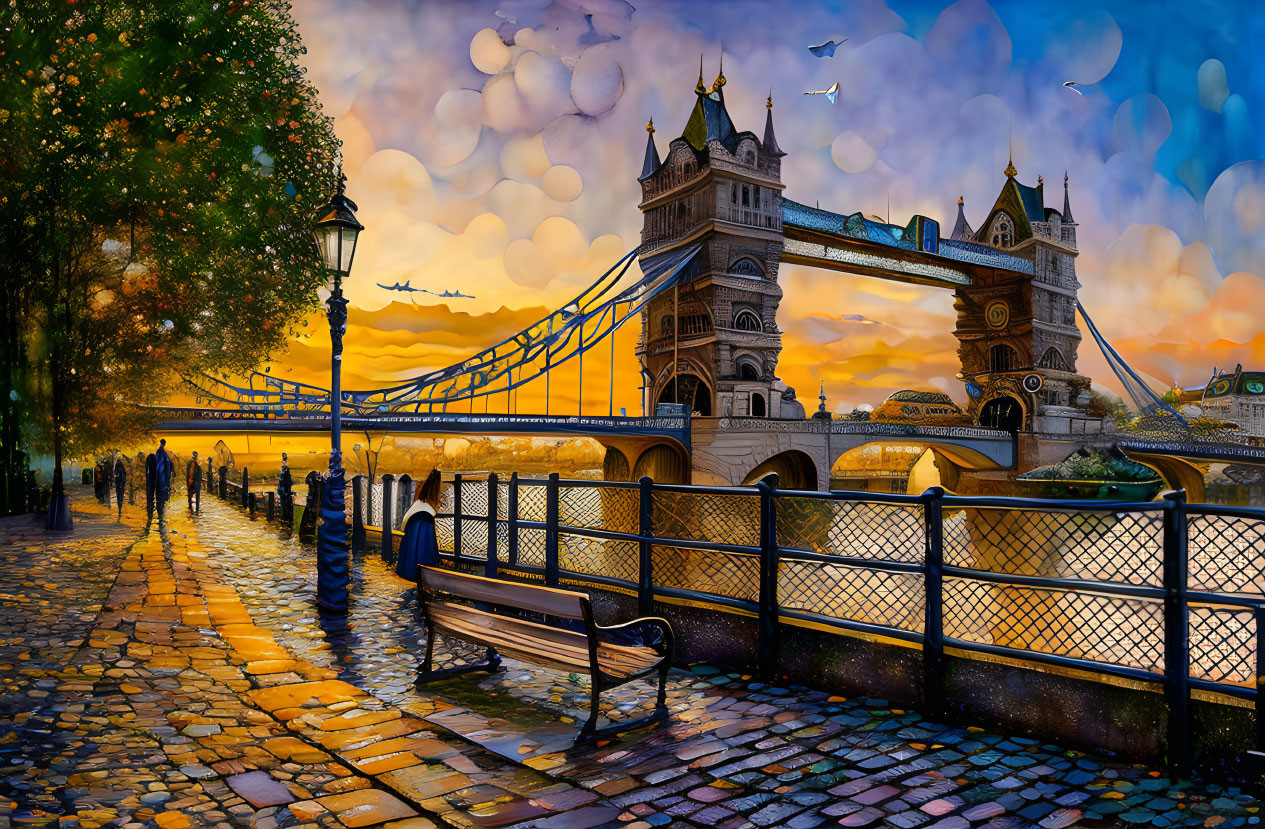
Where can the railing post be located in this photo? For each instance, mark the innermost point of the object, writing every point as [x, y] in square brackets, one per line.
[767, 633]
[403, 497]
[1260, 678]
[245, 487]
[489, 564]
[456, 520]
[251, 505]
[1176, 633]
[551, 531]
[223, 483]
[272, 505]
[358, 514]
[645, 558]
[511, 511]
[933, 618]
[388, 525]
[210, 476]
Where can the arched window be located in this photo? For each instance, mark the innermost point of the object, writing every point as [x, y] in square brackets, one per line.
[757, 404]
[665, 326]
[1002, 357]
[747, 321]
[1053, 358]
[748, 370]
[1003, 231]
[746, 266]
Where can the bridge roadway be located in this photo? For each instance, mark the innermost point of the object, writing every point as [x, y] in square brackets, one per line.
[670, 449]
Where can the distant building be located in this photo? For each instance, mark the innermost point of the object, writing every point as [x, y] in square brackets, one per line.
[1238, 396]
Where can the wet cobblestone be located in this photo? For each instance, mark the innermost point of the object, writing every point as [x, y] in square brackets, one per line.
[181, 677]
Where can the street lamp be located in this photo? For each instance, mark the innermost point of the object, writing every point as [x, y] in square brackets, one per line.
[336, 234]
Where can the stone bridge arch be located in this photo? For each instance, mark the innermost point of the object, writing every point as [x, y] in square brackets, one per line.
[795, 470]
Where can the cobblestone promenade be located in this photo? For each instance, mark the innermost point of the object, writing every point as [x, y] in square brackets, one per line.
[179, 676]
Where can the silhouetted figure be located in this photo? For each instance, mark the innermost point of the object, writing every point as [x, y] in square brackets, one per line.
[193, 484]
[32, 492]
[99, 483]
[285, 492]
[151, 483]
[163, 468]
[307, 524]
[120, 482]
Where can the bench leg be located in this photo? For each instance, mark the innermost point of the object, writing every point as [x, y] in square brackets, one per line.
[491, 663]
[590, 733]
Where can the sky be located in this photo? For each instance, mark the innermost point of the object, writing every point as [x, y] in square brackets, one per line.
[494, 148]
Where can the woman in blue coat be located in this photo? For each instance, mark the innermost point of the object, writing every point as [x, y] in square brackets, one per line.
[420, 547]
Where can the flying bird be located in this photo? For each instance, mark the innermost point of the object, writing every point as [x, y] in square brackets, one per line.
[827, 49]
[406, 287]
[1072, 86]
[832, 93]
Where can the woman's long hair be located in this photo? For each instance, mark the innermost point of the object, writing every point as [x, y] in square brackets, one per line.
[429, 490]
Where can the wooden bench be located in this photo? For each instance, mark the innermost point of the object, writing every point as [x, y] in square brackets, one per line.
[611, 656]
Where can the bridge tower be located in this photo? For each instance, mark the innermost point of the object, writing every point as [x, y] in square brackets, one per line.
[712, 343]
[1017, 334]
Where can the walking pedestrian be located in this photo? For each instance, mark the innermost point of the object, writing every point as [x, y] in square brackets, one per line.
[285, 493]
[151, 483]
[120, 481]
[420, 547]
[99, 485]
[193, 484]
[163, 468]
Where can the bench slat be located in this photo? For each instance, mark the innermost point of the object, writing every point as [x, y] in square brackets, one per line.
[547, 600]
[538, 643]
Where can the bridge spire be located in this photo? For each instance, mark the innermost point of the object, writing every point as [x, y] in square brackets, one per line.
[720, 77]
[770, 140]
[651, 162]
[1067, 204]
[700, 88]
[962, 229]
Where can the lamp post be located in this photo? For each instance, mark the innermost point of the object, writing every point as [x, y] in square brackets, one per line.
[336, 233]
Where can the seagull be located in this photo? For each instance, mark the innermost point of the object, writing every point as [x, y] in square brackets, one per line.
[832, 93]
[1072, 86]
[827, 49]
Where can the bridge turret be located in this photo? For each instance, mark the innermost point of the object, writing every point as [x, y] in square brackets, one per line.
[712, 343]
[1017, 333]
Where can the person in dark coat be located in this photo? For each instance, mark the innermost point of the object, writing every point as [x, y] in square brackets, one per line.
[120, 481]
[420, 547]
[151, 483]
[193, 484]
[99, 484]
[164, 468]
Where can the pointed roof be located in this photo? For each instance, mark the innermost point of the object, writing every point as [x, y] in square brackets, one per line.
[770, 140]
[652, 153]
[962, 229]
[1021, 202]
[710, 122]
[1067, 205]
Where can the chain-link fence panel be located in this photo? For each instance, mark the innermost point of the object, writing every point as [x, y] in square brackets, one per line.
[1227, 554]
[1090, 626]
[879, 598]
[721, 519]
[1125, 547]
[892, 532]
[735, 575]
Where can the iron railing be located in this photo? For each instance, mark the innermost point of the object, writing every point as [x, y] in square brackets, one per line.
[1164, 592]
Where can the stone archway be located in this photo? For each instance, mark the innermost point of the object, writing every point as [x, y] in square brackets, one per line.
[615, 466]
[664, 464]
[694, 392]
[795, 470]
[1002, 412]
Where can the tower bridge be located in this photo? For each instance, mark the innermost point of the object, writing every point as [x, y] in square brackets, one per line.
[716, 229]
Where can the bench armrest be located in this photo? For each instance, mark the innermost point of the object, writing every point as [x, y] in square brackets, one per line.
[647, 632]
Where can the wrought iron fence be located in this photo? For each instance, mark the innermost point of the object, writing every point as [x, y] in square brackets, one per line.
[1164, 591]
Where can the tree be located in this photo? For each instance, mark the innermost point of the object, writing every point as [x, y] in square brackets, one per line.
[160, 166]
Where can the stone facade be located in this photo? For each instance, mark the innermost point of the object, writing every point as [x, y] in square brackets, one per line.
[1017, 333]
[721, 190]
